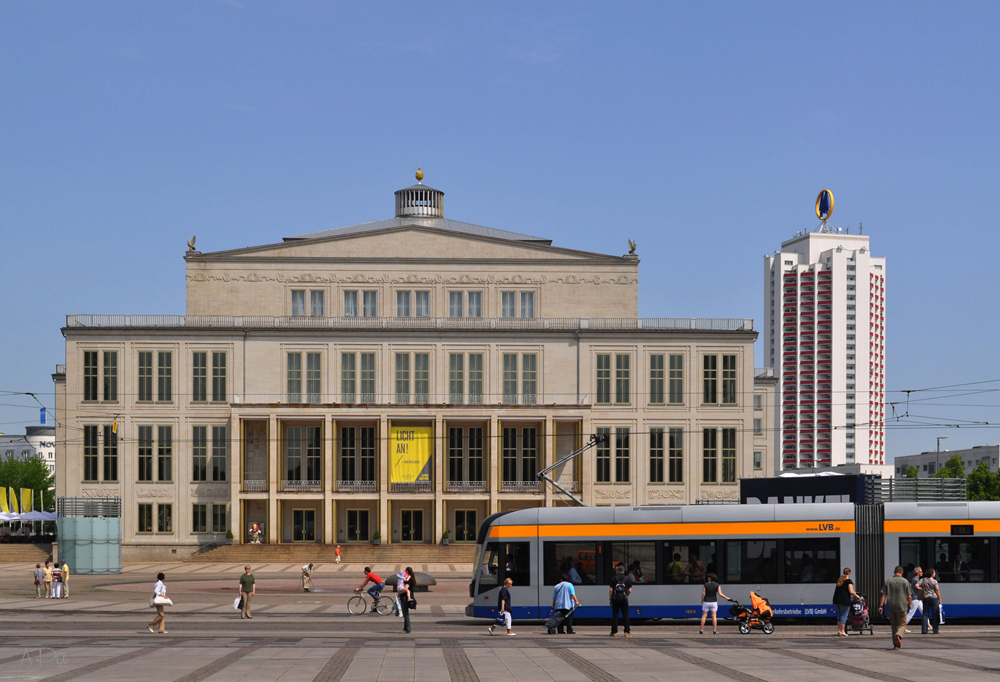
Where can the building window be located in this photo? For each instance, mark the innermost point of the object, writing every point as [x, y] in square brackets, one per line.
[199, 518]
[145, 518]
[454, 304]
[656, 379]
[293, 453]
[603, 379]
[314, 378]
[145, 376]
[421, 378]
[475, 303]
[295, 377]
[164, 453]
[350, 304]
[510, 378]
[402, 378]
[603, 455]
[348, 377]
[622, 379]
[357, 453]
[527, 304]
[199, 453]
[519, 454]
[675, 453]
[728, 379]
[475, 378]
[298, 303]
[110, 454]
[90, 375]
[758, 460]
[111, 376]
[219, 524]
[709, 456]
[164, 518]
[758, 402]
[402, 304]
[710, 380]
[529, 378]
[423, 301]
[456, 378]
[729, 455]
[164, 366]
[676, 379]
[220, 446]
[145, 454]
[507, 304]
[316, 307]
[219, 377]
[199, 374]
[368, 377]
[89, 453]
[465, 455]
[758, 426]
[371, 303]
[656, 455]
[622, 454]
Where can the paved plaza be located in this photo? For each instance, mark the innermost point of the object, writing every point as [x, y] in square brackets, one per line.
[99, 634]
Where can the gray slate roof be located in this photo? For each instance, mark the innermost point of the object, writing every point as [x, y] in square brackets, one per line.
[437, 223]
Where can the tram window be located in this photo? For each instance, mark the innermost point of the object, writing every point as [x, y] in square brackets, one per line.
[578, 560]
[689, 561]
[639, 559]
[962, 561]
[489, 570]
[912, 553]
[751, 561]
[812, 560]
[517, 563]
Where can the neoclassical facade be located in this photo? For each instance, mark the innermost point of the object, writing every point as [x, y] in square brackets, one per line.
[398, 379]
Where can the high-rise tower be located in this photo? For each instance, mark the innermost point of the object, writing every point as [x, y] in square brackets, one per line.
[824, 333]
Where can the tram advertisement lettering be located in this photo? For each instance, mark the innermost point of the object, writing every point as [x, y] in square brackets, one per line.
[411, 448]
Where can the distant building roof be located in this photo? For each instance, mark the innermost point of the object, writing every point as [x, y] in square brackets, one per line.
[436, 223]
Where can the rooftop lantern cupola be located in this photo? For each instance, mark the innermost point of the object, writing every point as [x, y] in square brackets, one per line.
[419, 201]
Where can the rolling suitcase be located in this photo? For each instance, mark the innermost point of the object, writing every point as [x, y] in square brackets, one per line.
[557, 617]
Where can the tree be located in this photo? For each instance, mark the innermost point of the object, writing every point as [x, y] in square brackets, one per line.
[912, 472]
[30, 473]
[953, 468]
[983, 484]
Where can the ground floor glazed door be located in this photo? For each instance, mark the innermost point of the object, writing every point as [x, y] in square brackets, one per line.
[303, 525]
[412, 525]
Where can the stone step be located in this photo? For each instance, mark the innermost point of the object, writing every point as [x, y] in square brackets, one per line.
[287, 553]
[21, 553]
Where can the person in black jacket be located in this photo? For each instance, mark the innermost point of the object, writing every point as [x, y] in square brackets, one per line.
[618, 594]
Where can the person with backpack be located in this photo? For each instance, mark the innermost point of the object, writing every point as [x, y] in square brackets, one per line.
[710, 593]
[620, 589]
[564, 601]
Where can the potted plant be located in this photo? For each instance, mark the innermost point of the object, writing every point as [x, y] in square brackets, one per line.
[229, 536]
[445, 539]
[377, 538]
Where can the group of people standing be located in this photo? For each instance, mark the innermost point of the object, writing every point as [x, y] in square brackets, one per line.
[51, 581]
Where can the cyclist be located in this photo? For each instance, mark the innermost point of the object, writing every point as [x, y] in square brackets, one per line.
[375, 590]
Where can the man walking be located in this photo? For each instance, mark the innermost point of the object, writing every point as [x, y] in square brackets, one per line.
[916, 603]
[564, 601]
[896, 597]
[65, 579]
[503, 602]
[620, 589]
[248, 588]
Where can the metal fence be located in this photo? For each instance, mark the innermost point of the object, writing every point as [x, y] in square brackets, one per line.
[881, 490]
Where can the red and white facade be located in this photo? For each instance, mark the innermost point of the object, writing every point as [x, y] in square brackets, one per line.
[824, 333]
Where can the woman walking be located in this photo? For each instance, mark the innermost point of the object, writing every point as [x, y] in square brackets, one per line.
[159, 590]
[710, 593]
[404, 591]
[843, 596]
[931, 592]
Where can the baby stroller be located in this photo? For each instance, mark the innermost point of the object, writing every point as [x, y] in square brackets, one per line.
[758, 616]
[857, 617]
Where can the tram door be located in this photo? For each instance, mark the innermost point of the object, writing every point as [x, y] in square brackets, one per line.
[502, 560]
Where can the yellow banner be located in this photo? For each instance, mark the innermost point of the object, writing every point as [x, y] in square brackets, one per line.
[4, 507]
[13, 501]
[27, 498]
[411, 449]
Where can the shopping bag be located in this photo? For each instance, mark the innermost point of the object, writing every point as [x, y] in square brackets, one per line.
[499, 620]
[162, 601]
[238, 604]
[941, 611]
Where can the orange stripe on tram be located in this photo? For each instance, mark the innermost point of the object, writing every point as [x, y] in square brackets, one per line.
[939, 527]
[666, 530]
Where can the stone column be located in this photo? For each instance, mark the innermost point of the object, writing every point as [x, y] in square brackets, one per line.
[273, 435]
[548, 455]
[329, 467]
[439, 453]
[586, 470]
[494, 463]
[383, 476]
[236, 479]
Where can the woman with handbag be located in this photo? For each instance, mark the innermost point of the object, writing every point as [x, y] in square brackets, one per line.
[159, 601]
[406, 600]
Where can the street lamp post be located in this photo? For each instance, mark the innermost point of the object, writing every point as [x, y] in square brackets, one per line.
[938, 456]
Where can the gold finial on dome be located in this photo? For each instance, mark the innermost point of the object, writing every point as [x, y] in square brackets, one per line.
[420, 175]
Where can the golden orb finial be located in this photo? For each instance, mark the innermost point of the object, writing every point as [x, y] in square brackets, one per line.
[420, 175]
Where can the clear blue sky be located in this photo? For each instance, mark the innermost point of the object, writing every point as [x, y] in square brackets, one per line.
[703, 131]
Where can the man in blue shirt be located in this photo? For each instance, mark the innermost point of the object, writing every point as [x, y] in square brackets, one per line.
[564, 601]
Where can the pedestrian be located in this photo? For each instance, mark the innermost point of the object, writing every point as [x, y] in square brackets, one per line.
[248, 588]
[405, 595]
[56, 581]
[307, 578]
[916, 604]
[563, 602]
[39, 576]
[896, 596]
[619, 591]
[47, 580]
[65, 579]
[504, 604]
[337, 553]
[843, 596]
[710, 593]
[159, 590]
[931, 593]
[375, 590]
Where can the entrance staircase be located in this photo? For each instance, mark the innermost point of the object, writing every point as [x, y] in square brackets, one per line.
[463, 553]
[25, 553]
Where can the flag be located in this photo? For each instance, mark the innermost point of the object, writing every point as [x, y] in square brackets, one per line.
[4, 507]
[27, 499]
[13, 501]
[42, 415]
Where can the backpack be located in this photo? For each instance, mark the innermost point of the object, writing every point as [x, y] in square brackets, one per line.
[620, 593]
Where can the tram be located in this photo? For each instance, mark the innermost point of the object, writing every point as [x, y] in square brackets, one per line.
[790, 553]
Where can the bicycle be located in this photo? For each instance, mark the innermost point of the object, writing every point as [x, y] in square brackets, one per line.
[362, 602]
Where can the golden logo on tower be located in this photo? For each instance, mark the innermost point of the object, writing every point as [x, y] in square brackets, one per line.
[824, 205]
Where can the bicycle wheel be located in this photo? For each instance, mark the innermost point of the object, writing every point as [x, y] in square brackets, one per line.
[385, 605]
[357, 605]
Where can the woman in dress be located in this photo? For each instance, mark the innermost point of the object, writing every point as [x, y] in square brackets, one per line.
[710, 593]
[159, 590]
[842, 598]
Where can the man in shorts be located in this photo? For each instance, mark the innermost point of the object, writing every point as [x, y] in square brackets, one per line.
[375, 590]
